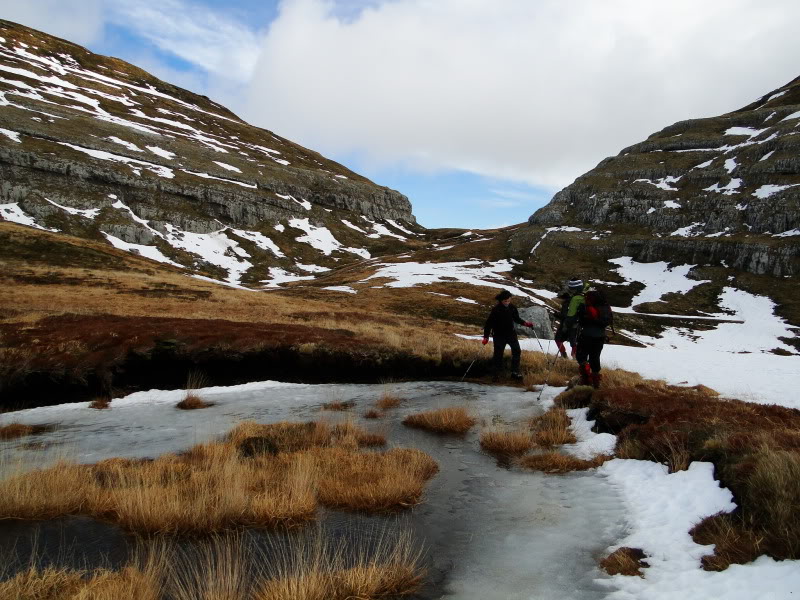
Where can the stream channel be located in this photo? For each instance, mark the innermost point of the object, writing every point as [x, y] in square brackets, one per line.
[487, 531]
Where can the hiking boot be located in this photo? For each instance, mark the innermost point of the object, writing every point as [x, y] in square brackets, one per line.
[596, 379]
[517, 376]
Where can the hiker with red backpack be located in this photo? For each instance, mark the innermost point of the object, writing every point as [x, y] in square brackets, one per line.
[594, 316]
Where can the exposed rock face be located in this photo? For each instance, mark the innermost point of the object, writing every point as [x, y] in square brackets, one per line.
[95, 147]
[701, 183]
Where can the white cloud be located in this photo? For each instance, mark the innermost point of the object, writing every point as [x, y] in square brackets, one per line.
[199, 35]
[537, 92]
[79, 21]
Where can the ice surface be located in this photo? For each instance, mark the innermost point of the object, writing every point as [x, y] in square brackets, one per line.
[489, 531]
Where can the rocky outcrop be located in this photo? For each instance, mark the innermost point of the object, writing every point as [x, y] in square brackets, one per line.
[737, 173]
[721, 190]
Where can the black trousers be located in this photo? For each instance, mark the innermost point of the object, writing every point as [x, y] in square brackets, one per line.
[589, 348]
[500, 342]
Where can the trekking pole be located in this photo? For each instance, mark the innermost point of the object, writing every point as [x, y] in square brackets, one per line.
[477, 355]
[549, 370]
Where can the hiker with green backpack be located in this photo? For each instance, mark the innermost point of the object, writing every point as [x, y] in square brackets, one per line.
[568, 326]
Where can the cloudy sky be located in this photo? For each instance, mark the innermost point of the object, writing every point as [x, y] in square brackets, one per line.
[478, 110]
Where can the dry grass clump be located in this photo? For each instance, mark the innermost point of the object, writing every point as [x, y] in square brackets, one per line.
[539, 369]
[555, 462]
[312, 567]
[371, 481]
[218, 486]
[373, 414]
[453, 419]
[552, 428]
[100, 403]
[577, 397]
[507, 443]
[625, 561]
[755, 450]
[734, 542]
[18, 430]
[325, 570]
[130, 583]
[368, 582]
[193, 402]
[387, 401]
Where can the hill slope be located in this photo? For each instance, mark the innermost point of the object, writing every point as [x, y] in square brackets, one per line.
[95, 147]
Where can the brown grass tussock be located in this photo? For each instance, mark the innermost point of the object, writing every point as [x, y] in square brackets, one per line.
[625, 561]
[557, 463]
[453, 419]
[552, 428]
[506, 443]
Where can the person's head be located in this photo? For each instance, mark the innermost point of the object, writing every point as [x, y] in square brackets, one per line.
[575, 285]
[504, 297]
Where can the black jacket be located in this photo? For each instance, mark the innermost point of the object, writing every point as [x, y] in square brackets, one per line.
[594, 326]
[501, 321]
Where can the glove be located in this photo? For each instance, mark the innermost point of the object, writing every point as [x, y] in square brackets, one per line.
[528, 324]
[485, 341]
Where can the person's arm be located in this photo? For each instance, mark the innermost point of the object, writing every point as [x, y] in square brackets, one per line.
[488, 326]
[516, 317]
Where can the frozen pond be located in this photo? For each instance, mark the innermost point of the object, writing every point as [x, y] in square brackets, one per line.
[488, 531]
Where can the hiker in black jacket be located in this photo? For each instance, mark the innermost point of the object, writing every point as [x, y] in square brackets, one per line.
[501, 325]
[593, 318]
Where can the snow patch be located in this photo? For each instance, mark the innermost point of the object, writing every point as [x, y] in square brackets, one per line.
[13, 213]
[765, 191]
[226, 166]
[341, 288]
[318, 237]
[12, 135]
[161, 152]
[657, 277]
